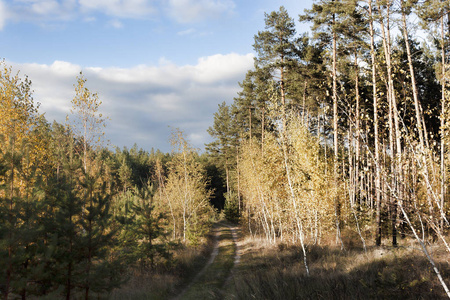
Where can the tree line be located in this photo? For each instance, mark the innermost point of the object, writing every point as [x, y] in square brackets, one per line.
[76, 218]
[342, 129]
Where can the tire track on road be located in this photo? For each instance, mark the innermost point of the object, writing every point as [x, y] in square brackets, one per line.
[217, 274]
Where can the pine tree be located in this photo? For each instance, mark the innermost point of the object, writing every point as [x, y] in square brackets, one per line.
[99, 274]
[330, 19]
[150, 229]
[64, 225]
[275, 50]
[223, 149]
[308, 81]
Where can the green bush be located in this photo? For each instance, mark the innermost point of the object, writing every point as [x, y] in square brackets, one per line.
[231, 209]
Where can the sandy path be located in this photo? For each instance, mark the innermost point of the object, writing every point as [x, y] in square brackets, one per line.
[217, 231]
[237, 255]
[208, 263]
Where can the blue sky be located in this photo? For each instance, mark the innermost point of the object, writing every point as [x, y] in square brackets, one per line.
[156, 64]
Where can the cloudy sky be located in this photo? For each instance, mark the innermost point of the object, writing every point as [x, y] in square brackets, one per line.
[156, 64]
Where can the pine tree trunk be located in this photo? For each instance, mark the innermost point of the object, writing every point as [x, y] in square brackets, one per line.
[335, 133]
[262, 130]
[351, 169]
[413, 83]
[395, 150]
[238, 181]
[304, 103]
[358, 132]
[375, 125]
[250, 121]
[283, 93]
[443, 108]
[227, 178]
[398, 153]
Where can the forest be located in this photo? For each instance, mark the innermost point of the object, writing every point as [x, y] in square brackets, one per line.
[338, 143]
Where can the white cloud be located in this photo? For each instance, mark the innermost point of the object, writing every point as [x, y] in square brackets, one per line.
[45, 7]
[89, 19]
[119, 8]
[62, 68]
[221, 67]
[186, 32]
[45, 11]
[215, 69]
[144, 101]
[41, 10]
[170, 102]
[189, 11]
[3, 14]
[53, 86]
[116, 24]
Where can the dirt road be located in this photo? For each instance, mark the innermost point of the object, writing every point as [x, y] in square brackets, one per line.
[210, 282]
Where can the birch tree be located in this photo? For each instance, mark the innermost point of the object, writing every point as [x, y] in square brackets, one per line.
[186, 189]
[88, 122]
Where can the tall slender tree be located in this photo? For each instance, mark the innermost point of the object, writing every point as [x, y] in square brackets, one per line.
[275, 50]
[224, 147]
[329, 20]
[87, 121]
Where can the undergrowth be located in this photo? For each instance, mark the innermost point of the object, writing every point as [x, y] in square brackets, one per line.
[268, 271]
[277, 272]
[165, 282]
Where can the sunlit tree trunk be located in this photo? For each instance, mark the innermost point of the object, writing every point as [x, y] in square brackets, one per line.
[358, 130]
[335, 134]
[375, 125]
[394, 131]
[443, 111]
[417, 104]
[283, 89]
[238, 181]
[298, 221]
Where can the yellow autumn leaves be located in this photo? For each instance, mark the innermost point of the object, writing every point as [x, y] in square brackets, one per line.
[18, 113]
[266, 184]
[20, 134]
[184, 191]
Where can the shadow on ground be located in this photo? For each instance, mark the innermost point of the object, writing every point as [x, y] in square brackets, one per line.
[279, 273]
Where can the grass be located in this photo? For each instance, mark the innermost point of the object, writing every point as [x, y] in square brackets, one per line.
[188, 262]
[268, 271]
[165, 283]
[210, 284]
[277, 272]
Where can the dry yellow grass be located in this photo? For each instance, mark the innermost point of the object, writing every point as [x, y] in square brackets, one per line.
[270, 271]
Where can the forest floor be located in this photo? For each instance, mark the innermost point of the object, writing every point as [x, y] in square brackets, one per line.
[277, 271]
[232, 265]
[213, 281]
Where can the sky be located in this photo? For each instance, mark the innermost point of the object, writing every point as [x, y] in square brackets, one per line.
[156, 65]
